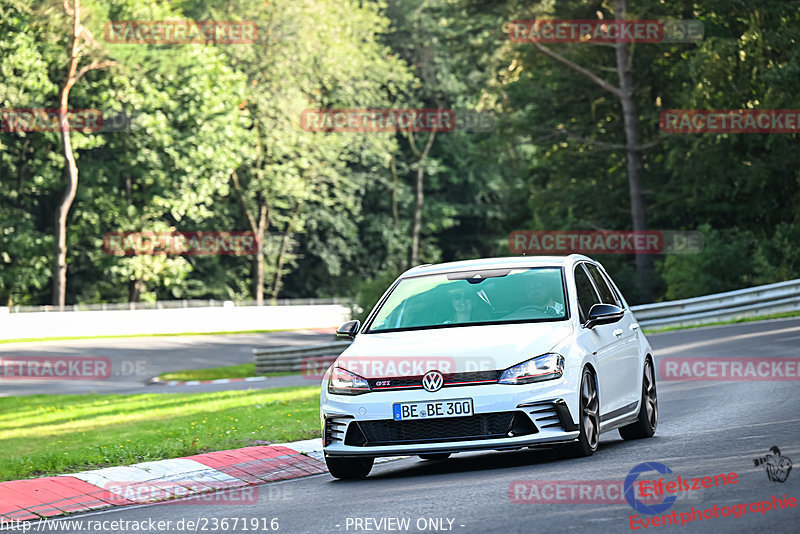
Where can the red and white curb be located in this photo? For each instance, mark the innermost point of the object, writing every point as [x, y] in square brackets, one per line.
[162, 480]
[217, 381]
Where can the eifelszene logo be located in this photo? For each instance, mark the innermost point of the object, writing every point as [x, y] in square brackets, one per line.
[638, 505]
[777, 467]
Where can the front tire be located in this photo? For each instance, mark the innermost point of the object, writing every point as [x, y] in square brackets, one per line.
[589, 436]
[645, 425]
[349, 468]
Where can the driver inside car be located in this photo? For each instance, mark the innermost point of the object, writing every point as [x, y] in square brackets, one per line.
[541, 299]
[462, 308]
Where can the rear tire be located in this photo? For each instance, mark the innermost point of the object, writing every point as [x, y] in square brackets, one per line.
[645, 425]
[435, 456]
[349, 468]
[589, 436]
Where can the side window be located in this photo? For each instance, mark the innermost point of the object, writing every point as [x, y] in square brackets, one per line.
[587, 296]
[606, 294]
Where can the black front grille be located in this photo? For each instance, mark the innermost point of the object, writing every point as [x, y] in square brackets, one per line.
[450, 380]
[479, 426]
[472, 376]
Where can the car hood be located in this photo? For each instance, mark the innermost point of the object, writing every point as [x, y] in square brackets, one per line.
[454, 349]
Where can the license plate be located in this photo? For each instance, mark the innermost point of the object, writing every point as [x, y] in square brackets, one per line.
[432, 409]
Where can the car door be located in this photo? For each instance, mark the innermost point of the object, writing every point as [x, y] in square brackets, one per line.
[608, 350]
[625, 332]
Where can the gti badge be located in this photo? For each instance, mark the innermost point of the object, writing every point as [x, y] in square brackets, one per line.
[433, 381]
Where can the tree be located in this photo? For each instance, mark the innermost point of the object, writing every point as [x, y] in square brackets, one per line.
[24, 248]
[633, 146]
[312, 55]
[217, 142]
[422, 157]
[81, 39]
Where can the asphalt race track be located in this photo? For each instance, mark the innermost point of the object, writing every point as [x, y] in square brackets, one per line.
[706, 428]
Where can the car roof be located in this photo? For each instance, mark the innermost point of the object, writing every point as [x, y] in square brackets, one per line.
[496, 263]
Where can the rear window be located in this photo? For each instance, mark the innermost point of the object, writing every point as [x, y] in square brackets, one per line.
[474, 297]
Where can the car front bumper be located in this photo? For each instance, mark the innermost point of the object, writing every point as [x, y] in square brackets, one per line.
[550, 406]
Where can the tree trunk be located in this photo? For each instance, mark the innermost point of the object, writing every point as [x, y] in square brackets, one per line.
[134, 290]
[395, 213]
[60, 267]
[71, 170]
[276, 286]
[259, 229]
[258, 279]
[644, 262]
[417, 225]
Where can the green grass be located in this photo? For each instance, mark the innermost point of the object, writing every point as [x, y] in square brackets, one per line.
[71, 338]
[732, 321]
[51, 434]
[213, 373]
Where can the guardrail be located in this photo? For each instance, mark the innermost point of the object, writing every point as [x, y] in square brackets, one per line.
[742, 303]
[176, 304]
[291, 359]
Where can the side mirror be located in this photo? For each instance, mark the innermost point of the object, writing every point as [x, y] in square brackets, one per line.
[603, 314]
[348, 330]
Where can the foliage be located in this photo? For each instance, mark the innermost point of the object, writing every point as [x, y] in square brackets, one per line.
[340, 205]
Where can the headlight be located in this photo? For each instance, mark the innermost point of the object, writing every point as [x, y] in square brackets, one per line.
[545, 367]
[343, 382]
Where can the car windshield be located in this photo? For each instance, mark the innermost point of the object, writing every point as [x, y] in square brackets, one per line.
[473, 297]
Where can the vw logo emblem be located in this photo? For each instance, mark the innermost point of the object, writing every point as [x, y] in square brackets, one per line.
[433, 381]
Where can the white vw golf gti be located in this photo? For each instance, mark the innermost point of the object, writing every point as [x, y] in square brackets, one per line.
[490, 354]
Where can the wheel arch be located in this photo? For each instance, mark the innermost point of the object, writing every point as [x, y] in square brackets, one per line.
[589, 365]
[648, 357]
